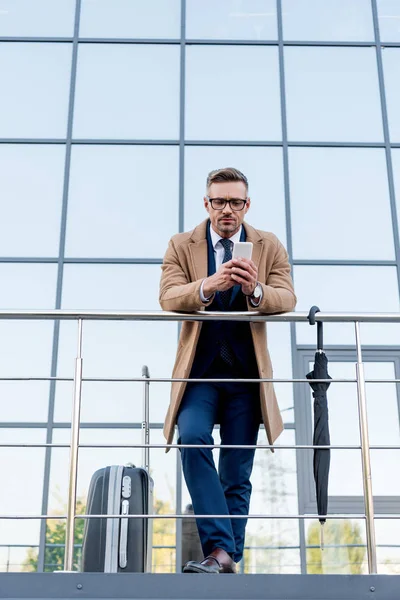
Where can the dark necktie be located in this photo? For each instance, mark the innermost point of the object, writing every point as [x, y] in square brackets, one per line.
[225, 350]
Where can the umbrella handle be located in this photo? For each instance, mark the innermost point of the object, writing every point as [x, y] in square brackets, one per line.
[320, 332]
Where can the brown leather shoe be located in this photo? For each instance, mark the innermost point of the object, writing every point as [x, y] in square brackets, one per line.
[217, 562]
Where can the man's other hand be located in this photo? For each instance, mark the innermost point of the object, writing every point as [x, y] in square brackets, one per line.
[220, 281]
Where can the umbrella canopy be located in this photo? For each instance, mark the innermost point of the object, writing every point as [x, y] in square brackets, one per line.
[322, 457]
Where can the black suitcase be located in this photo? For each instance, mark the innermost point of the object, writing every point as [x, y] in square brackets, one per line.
[120, 545]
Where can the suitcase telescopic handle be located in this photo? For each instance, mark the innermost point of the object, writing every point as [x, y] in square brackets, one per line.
[146, 419]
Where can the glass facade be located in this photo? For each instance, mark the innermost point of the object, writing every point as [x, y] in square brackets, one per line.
[112, 113]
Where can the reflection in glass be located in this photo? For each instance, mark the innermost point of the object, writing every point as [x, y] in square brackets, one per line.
[389, 20]
[343, 289]
[344, 550]
[332, 94]
[340, 193]
[226, 99]
[231, 19]
[336, 20]
[387, 534]
[122, 201]
[127, 91]
[263, 168]
[391, 58]
[35, 89]
[274, 492]
[130, 19]
[31, 187]
[39, 18]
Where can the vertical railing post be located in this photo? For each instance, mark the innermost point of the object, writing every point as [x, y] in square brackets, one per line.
[146, 419]
[73, 457]
[365, 456]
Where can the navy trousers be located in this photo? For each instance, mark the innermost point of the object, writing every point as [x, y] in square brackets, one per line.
[236, 406]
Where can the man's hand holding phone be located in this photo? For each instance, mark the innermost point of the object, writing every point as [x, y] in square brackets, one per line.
[240, 270]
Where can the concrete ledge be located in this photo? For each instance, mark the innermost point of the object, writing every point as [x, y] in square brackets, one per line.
[198, 587]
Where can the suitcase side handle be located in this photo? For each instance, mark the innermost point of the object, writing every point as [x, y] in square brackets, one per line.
[146, 419]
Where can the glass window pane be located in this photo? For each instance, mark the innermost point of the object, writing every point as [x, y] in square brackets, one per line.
[25, 400]
[337, 190]
[35, 84]
[396, 177]
[332, 94]
[39, 18]
[337, 20]
[13, 462]
[231, 19]
[389, 20]
[31, 186]
[127, 91]
[233, 102]
[123, 201]
[391, 58]
[346, 289]
[119, 349]
[28, 286]
[25, 350]
[344, 551]
[130, 19]
[273, 543]
[263, 168]
[387, 532]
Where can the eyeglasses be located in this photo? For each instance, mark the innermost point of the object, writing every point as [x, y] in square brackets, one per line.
[220, 203]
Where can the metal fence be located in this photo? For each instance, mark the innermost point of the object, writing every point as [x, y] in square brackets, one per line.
[80, 316]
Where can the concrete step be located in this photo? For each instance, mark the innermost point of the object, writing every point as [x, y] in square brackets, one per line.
[198, 587]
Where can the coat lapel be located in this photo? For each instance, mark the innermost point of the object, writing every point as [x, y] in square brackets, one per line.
[198, 251]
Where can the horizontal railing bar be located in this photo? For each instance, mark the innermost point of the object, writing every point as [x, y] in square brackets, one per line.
[182, 379]
[184, 516]
[194, 380]
[159, 315]
[214, 446]
[28, 378]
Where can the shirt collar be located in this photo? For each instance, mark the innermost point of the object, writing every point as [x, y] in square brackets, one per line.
[215, 237]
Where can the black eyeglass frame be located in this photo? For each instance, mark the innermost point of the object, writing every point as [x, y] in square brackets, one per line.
[226, 202]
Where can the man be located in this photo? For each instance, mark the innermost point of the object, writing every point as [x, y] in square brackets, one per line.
[198, 273]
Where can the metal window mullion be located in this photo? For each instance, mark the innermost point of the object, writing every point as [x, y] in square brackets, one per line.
[386, 136]
[56, 334]
[289, 245]
[181, 224]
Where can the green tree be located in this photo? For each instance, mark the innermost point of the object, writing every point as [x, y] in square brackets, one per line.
[344, 549]
[55, 544]
[163, 535]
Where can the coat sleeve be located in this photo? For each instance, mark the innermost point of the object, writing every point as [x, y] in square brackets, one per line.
[278, 291]
[176, 291]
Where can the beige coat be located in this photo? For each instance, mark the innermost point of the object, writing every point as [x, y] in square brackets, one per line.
[183, 270]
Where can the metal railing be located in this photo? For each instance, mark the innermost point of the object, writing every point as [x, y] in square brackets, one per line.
[298, 317]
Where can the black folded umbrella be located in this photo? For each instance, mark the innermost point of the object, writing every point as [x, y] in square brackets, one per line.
[322, 457]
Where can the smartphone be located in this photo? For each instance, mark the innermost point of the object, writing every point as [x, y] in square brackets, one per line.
[242, 250]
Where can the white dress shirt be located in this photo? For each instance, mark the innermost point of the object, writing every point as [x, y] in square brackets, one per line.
[219, 252]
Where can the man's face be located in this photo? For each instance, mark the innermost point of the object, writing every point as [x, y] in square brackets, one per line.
[227, 222]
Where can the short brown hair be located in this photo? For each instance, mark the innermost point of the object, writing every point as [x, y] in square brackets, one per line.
[226, 174]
